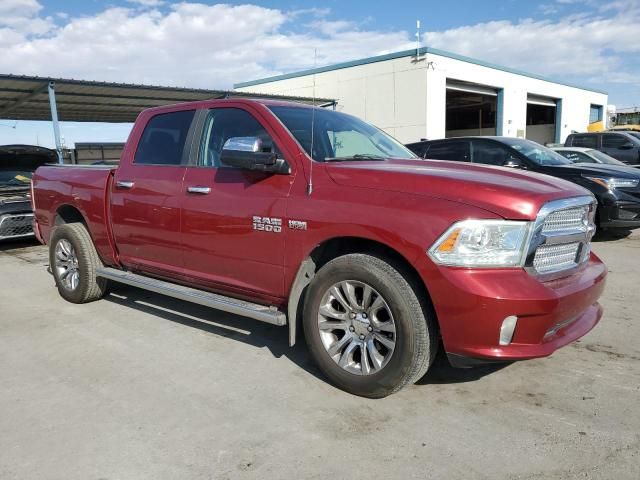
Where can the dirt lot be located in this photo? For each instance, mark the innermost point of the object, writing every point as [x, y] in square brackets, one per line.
[138, 386]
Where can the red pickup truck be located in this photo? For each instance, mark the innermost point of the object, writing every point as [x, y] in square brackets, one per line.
[315, 220]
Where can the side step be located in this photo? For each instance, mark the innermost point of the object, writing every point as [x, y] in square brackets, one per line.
[226, 304]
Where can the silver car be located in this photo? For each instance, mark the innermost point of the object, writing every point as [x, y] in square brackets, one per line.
[588, 155]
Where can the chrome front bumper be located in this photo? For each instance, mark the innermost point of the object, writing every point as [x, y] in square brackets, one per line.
[16, 226]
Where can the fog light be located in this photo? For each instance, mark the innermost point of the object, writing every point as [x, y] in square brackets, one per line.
[626, 214]
[507, 329]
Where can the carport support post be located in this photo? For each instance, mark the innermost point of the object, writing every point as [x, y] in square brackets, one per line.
[54, 119]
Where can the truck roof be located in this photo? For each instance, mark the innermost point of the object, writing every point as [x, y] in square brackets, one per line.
[247, 101]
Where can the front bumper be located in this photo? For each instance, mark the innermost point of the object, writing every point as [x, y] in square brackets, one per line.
[471, 305]
[16, 225]
[621, 214]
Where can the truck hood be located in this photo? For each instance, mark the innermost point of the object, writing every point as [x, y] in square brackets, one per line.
[25, 157]
[506, 192]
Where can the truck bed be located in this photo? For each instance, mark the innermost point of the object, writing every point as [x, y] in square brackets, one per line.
[84, 187]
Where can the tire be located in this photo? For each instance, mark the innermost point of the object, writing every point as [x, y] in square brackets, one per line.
[73, 260]
[401, 322]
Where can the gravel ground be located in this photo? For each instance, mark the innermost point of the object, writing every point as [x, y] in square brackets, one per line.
[138, 386]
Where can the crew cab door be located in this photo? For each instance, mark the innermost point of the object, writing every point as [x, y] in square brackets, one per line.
[233, 219]
[147, 192]
[620, 147]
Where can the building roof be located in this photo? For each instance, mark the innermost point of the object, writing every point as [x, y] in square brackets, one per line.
[26, 98]
[406, 53]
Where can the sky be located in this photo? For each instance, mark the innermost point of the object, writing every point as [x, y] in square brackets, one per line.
[592, 43]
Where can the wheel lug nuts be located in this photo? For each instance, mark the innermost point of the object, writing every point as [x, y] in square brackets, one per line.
[351, 329]
[370, 328]
[364, 315]
[361, 337]
[352, 315]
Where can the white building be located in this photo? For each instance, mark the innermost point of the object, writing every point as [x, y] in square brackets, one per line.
[438, 94]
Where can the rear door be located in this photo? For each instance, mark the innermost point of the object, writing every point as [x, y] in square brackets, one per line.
[146, 195]
[233, 219]
[584, 141]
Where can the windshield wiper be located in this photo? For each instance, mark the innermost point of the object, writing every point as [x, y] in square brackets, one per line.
[356, 157]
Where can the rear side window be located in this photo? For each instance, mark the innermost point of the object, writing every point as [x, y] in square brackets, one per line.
[577, 157]
[163, 139]
[456, 151]
[586, 141]
[612, 140]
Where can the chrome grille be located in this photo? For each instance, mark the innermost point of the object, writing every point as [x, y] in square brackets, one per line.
[556, 257]
[561, 237]
[15, 226]
[568, 219]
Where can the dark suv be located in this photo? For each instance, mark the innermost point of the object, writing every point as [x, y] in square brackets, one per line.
[623, 146]
[616, 187]
[17, 164]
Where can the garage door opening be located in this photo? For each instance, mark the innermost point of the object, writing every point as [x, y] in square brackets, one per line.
[541, 119]
[471, 110]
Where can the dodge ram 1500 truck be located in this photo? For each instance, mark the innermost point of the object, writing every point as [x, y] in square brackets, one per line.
[315, 220]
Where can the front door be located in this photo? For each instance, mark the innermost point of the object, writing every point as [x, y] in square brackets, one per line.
[146, 196]
[619, 147]
[232, 219]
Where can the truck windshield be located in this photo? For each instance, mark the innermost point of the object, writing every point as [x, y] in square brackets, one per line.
[14, 178]
[535, 152]
[338, 136]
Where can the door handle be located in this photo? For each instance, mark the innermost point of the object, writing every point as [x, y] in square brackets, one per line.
[125, 184]
[199, 190]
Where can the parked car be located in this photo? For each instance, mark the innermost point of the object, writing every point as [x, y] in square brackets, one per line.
[587, 155]
[615, 187]
[17, 164]
[379, 256]
[623, 146]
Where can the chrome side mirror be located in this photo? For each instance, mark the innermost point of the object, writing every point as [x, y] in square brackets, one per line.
[247, 153]
[243, 144]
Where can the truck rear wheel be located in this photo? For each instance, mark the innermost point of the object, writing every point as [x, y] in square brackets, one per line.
[74, 260]
[366, 328]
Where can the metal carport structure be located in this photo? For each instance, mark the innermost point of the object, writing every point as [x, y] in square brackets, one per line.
[59, 99]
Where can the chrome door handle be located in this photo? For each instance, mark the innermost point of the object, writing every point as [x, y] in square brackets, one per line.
[199, 190]
[126, 184]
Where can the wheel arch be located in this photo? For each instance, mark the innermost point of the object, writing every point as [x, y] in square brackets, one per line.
[335, 247]
[67, 213]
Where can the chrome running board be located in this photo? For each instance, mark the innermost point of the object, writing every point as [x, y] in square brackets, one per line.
[239, 307]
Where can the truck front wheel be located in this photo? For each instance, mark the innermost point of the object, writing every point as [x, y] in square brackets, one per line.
[365, 326]
[74, 260]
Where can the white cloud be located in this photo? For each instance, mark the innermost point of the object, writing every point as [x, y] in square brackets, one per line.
[191, 44]
[148, 3]
[213, 46]
[593, 48]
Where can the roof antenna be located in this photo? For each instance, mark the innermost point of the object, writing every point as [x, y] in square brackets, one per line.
[313, 121]
[417, 38]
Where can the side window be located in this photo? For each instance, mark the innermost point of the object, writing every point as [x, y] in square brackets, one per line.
[577, 157]
[611, 140]
[457, 151]
[490, 153]
[225, 123]
[586, 141]
[163, 139]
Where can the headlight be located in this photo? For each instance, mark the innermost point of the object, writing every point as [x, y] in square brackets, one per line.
[611, 183]
[482, 243]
